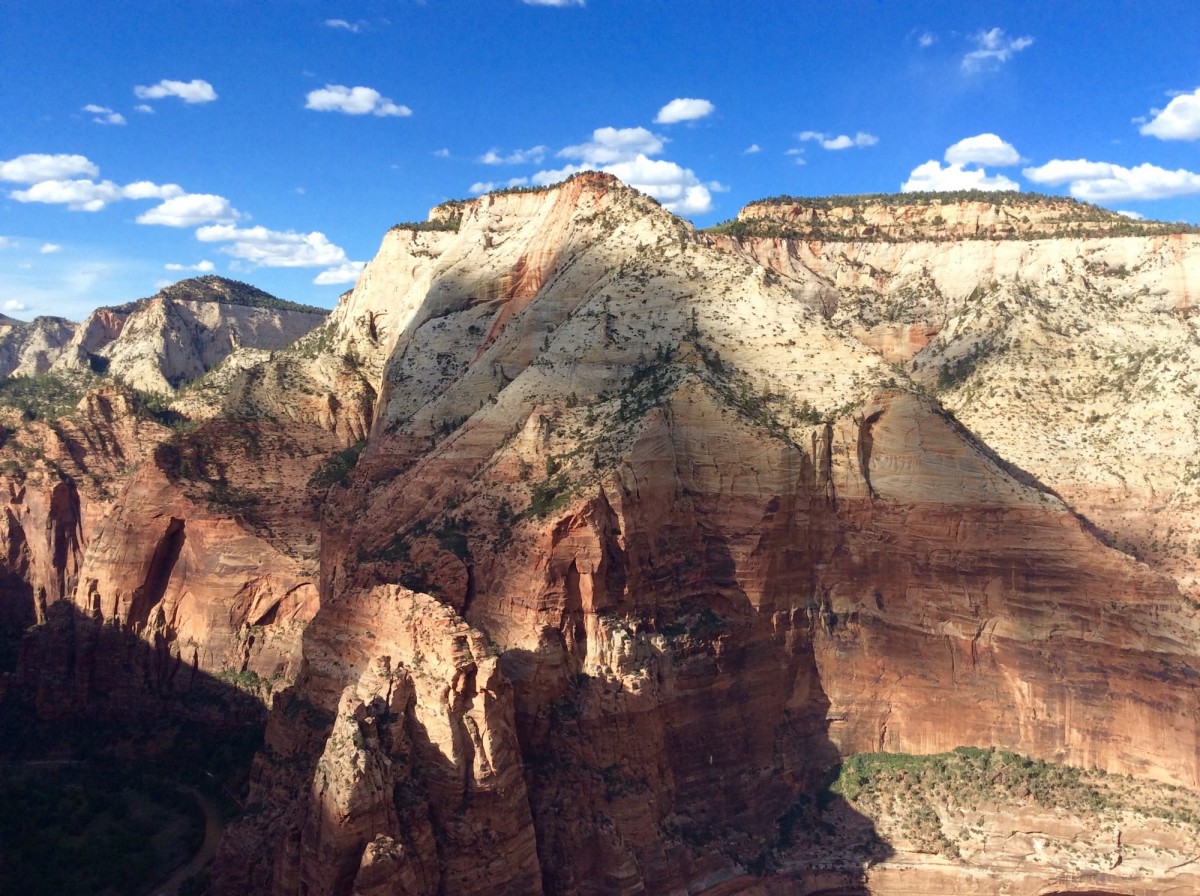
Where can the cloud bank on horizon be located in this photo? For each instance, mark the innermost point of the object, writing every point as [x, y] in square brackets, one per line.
[299, 150]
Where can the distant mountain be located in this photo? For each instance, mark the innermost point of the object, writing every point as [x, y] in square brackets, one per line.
[27, 349]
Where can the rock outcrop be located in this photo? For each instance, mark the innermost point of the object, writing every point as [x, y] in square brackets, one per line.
[660, 539]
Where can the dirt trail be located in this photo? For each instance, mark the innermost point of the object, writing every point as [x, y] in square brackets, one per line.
[213, 828]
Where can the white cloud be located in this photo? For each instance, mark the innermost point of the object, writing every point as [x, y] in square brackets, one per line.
[1179, 121]
[143, 107]
[486, 186]
[751, 149]
[684, 109]
[89, 196]
[560, 3]
[274, 248]
[352, 27]
[442, 153]
[1059, 171]
[841, 141]
[983, 149]
[926, 40]
[14, 305]
[533, 155]
[6, 243]
[189, 210]
[676, 187]
[1136, 216]
[203, 267]
[194, 91]
[992, 48]
[144, 189]
[50, 248]
[609, 145]
[354, 101]
[104, 115]
[33, 167]
[1105, 182]
[931, 176]
[346, 272]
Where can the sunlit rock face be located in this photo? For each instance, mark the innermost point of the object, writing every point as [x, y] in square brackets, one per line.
[650, 527]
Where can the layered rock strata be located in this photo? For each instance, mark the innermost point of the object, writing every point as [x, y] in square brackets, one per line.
[641, 541]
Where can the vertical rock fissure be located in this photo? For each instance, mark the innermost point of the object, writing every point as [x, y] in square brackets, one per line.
[158, 575]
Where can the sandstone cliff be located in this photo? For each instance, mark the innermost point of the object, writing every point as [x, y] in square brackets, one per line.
[1074, 358]
[199, 539]
[643, 538]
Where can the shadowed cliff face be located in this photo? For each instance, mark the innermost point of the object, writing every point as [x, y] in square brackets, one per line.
[205, 539]
[639, 545]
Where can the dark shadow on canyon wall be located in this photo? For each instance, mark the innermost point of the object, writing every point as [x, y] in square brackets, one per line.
[724, 778]
[89, 695]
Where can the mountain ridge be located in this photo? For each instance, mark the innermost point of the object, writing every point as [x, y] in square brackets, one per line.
[589, 544]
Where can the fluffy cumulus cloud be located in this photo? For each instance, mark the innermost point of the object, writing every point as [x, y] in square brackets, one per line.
[190, 210]
[992, 49]
[202, 267]
[751, 149]
[625, 153]
[934, 177]
[684, 109]
[103, 114]
[14, 305]
[553, 2]
[610, 145]
[839, 141]
[983, 149]
[343, 273]
[283, 249]
[354, 101]
[1105, 182]
[1180, 120]
[194, 91]
[50, 248]
[533, 155]
[34, 167]
[85, 195]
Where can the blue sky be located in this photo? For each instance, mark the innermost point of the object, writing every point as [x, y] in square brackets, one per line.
[275, 141]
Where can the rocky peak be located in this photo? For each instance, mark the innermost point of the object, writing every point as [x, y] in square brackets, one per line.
[27, 349]
[183, 331]
[222, 290]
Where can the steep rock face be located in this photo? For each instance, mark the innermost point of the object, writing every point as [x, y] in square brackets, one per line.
[202, 544]
[27, 349]
[59, 479]
[715, 549]
[184, 331]
[1074, 358]
[417, 783]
